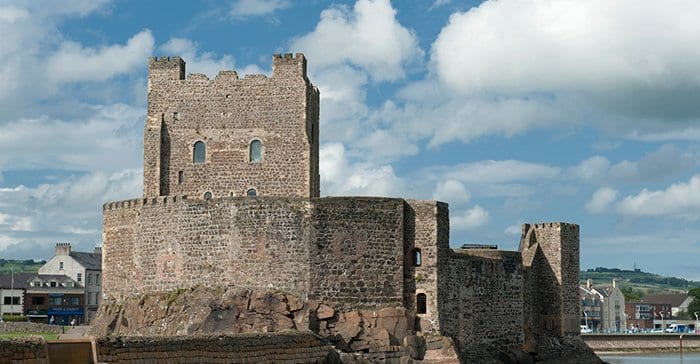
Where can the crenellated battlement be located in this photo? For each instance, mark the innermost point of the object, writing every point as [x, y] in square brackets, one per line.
[288, 65]
[140, 202]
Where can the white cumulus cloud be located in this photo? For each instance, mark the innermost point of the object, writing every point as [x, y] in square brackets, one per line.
[73, 62]
[601, 200]
[367, 36]
[679, 199]
[469, 219]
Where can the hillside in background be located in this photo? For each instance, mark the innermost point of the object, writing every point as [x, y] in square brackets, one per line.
[637, 281]
[20, 266]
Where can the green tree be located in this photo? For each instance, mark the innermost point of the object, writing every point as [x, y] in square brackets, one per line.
[630, 293]
[693, 307]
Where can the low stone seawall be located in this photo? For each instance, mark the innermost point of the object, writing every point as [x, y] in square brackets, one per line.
[23, 351]
[243, 348]
[27, 327]
[642, 342]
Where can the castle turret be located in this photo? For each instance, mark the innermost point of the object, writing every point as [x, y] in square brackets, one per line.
[551, 275]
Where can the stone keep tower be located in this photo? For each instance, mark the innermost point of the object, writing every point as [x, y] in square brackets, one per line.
[550, 254]
[255, 136]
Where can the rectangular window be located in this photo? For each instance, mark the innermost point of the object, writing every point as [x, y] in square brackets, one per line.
[56, 301]
[89, 278]
[60, 265]
[38, 300]
[180, 177]
[53, 284]
[73, 301]
[80, 277]
[97, 279]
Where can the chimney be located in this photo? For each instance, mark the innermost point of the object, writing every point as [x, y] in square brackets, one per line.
[98, 250]
[589, 283]
[614, 282]
[62, 248]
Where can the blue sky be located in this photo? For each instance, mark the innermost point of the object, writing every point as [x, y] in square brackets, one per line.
[511, 111]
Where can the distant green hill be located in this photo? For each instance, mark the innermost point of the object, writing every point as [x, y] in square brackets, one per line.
[637, 281]
[20, 266]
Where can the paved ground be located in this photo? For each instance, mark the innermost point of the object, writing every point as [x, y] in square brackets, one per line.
[77, 332]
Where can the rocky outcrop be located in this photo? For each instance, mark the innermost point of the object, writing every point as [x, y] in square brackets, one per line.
[202, 310]
[385, 332]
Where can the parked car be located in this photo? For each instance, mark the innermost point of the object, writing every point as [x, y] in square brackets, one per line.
[585, 329]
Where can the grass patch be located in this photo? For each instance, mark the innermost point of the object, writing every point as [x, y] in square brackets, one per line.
[14, 335]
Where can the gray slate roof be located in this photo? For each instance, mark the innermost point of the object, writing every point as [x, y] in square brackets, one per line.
[21, 280]
[92, 261]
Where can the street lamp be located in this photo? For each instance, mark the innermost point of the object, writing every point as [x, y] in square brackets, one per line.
[585, 314]
[697, 329]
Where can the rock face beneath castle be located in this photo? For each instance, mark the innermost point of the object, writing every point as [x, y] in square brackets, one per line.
[231, 237]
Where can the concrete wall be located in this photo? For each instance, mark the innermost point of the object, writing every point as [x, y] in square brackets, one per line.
[227, 113]
[340, 250]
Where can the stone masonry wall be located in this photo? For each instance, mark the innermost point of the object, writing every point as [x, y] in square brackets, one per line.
[551, 262]
[23, 350]
[166, 243]
[227, 114]
[342, 250]
[242, 348]
[484, 309]
[357, 250]
[428, 230]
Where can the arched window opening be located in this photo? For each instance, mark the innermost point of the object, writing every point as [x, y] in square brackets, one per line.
[417, 257]
[200, 152]
[207, 195]
[256, 151]
[421, 303]
[251, 192]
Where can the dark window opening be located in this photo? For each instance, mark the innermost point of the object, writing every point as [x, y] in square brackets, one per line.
[417, 257]
[207, 195]
[14, 300]
[421, 303]
[199, 152]
[176, 116]
[38, 300]
[255, 151]
[180, 177]
[252, 192]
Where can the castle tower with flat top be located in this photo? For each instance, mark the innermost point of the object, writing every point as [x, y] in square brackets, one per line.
[256, 136]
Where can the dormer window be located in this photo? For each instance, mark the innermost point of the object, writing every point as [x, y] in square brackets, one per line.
[199, 154]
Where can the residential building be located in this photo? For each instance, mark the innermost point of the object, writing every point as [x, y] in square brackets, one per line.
[591, 311]
[678, 301]
[54, 296]
[603, 307]
[641, 315]
[84, 270]
[12, 288]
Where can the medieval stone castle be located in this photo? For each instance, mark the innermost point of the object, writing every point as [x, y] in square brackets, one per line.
[232, 198]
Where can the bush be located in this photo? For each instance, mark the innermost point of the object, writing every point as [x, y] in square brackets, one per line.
[14, 318]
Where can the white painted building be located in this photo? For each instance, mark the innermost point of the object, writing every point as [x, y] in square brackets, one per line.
[83, 268]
